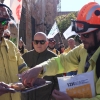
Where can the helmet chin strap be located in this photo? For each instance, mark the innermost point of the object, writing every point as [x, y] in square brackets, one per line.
[96, 43]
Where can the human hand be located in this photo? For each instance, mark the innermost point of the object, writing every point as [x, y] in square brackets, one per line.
[60, 95]
[5, 88]
[28, 77]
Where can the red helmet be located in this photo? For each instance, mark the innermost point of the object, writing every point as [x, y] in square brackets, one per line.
[88, 18]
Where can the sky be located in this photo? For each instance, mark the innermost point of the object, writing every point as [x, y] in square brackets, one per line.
[68, 5]
[7, 2]
[74, 5]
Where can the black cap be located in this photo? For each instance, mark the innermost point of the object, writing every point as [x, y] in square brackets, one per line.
[52, 40]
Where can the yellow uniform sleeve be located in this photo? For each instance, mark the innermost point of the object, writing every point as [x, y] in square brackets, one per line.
[63, 63]
[22, 66]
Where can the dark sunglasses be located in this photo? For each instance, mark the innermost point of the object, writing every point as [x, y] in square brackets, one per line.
[52, 42]
[3, 23]
[39, 41]
[86, 35]
[7, 36]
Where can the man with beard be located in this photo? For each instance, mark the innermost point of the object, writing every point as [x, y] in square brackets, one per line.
[51, 46]
[11, 62]
[85, 57]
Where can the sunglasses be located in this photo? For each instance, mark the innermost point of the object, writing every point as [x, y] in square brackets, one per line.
[52, 42]
[39, 41]
[86, 35]
[3, 23]
[7, 36]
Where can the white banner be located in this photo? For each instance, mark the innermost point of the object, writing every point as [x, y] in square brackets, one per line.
[69, 32]
[54, 30]
[16, 7]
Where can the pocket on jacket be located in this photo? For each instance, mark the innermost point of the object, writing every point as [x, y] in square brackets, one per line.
[12, 58]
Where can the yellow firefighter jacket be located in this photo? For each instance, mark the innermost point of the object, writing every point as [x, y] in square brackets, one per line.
[11, 63]
[74, 59]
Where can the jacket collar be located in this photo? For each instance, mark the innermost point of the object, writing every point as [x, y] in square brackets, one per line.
[95, 55]
[4, 43]
[42, 53]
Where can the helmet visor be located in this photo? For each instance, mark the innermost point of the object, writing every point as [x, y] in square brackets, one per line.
[82, 27]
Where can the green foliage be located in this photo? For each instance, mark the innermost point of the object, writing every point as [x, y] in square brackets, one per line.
[75, 13]
[64, 21]
[13, 40]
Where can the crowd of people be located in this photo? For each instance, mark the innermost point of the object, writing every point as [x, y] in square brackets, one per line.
[46, 61]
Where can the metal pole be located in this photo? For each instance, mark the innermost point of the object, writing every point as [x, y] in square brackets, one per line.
[18, 36]
[61, 38]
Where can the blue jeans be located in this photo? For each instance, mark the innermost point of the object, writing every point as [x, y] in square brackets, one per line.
[71, 73]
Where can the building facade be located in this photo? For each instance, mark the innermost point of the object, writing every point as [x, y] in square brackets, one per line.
[37, 15]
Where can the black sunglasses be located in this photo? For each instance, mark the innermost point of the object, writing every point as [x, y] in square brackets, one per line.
[85, 35]
[88, 34]
[53, 42]
[39, 41]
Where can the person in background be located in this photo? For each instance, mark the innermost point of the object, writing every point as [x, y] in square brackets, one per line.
[37, 56]
[51, 46]
[62, 48]
[6, 34]
[59, 46]
[85, 57]
[11, 62]
[71, 45]
[21, 47]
